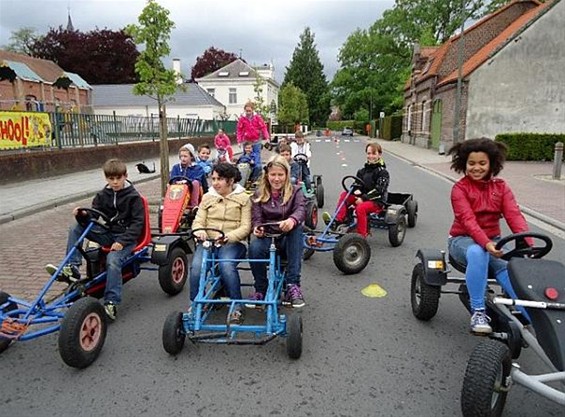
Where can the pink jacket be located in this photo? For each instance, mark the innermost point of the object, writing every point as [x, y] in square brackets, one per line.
[478, 207]
[251, 129]
[222, 141]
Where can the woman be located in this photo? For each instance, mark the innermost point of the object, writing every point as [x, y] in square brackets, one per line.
[276, 200]
[250, 128]
[225, 207]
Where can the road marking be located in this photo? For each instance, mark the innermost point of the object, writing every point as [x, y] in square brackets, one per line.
[374, 291]
[328, 140]
[318, 140]
[347, 140]
[356, 140]
[343, 165]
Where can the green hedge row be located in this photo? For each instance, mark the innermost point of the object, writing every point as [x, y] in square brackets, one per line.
[530, 146]
[391, 127]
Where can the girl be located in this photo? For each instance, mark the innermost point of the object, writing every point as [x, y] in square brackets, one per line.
[276, 200]
[188, 168]
[250, 128]
[222, 142]
[479, 200]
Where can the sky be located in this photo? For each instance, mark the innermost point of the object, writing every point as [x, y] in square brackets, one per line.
[261, 31]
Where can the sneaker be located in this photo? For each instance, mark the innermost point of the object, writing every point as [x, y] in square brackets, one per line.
[326, 217]
[236, 317]
[294, 296]
[256, 296]
[111, 310]
[70, 273]
[479, 322]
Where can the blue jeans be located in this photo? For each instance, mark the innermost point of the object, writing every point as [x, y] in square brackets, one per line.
[256, 152]
[114, 259]
[291, 243]
[478, 264]
[228, 270]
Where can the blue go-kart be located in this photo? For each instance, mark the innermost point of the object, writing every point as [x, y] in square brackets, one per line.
[201, 325]
[75, 312]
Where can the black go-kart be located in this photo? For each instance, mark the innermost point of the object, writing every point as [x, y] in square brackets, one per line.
[493, 366]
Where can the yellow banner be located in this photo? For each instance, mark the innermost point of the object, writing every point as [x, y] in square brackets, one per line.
[24, 129]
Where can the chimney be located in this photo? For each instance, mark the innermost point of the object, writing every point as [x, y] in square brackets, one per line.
[176, 69]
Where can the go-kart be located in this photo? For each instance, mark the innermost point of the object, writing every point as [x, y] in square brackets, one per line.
[200, 324]
[316, 188]
[175, 213]
[493, 366]
[75, 313]
[351, 252]
[246, 170]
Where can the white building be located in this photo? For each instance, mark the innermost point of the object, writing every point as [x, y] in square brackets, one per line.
[236, 83]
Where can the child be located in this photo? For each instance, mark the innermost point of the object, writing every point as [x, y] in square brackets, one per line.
[248, 157]
[250, 128]
[300, 146]
[223, 142]
[276, 200]
[188, 168]
[121, 203]
[298, 171]
[479, 200]
[370, 198]
[204, 161]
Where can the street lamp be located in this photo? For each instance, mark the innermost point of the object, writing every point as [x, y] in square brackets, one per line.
[460, 52]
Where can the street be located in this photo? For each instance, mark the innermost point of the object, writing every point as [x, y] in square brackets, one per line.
[362, 356]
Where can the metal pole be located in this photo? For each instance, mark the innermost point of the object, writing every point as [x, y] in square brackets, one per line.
[460, 52]
[557, 158]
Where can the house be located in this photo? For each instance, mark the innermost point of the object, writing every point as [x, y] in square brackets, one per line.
[194, 102]
[35, 84]
[511, 78]
[236, 83]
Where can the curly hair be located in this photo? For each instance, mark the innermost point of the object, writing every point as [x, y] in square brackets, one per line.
[496, 152]
[227, 171]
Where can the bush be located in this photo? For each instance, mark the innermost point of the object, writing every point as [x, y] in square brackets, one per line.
[530, 146]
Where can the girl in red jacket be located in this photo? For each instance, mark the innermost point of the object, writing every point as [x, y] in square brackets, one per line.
[251, 128]
[222, 142]
[479, 200]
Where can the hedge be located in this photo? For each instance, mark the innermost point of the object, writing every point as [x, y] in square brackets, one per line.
[530, 146]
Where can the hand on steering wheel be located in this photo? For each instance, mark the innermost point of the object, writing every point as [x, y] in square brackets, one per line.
[202, 235]
[86, 215]
[300, 158]
[521, 247]
[357, 182]
[269, 230]
[180, 179]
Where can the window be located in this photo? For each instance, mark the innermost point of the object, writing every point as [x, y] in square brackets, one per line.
[223, 74]
[244, 73]
[211, 91]
[233, 96]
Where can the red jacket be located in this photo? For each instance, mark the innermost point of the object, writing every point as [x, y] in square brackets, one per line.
[478, 207]
[251, 129]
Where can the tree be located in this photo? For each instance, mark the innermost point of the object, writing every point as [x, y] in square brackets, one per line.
[211, 60]
[293, 105]
[154, 31]
[21, 40]
[307, 73]
[100, 56]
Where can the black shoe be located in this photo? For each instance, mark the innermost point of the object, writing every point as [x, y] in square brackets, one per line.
[70, 273]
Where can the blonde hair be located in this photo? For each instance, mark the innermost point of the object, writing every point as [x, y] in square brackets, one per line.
[264, 191]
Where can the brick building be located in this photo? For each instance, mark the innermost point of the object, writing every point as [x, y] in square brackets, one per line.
[511, 78]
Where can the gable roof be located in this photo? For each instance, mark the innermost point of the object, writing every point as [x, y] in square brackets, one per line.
[237, 69]
[121, 95]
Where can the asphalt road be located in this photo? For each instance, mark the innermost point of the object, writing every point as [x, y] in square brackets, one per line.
[362, 356]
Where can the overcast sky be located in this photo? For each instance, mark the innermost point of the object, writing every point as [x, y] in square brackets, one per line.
[261, 30]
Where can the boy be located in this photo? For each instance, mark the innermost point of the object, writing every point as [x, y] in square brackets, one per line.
[298, 171]
[188, 168]
[204, 161]
[248, 157]
[120, 202]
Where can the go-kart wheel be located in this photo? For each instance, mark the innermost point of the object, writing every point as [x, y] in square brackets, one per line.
[311, 220]
[522, 249]
[357, 182]
[294, 336]
[396, 232]
[173, 333]
[424, 298]
[82, 333]
[172, 276]
[320, 195]
[412, 210]
[307, 254]
[351, 253]
[92, 215]
[485, 384]
[11, 306]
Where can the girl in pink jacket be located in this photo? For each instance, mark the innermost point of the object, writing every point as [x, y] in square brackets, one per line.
[250, 128]
[222, 142]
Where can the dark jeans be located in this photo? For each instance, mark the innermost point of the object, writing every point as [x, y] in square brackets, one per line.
[114, 259]
[291, 243]
[228, 270]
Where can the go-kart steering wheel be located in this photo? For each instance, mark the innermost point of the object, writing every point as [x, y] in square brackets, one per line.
[300, 158]
[179, 178]
[357, 182]
[521, 247]
[272, 225]
[95, 216]
[209, 229]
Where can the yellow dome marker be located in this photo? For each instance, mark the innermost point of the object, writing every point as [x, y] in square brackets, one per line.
[374, 291]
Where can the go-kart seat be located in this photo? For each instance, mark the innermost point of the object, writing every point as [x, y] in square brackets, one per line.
[530, 279]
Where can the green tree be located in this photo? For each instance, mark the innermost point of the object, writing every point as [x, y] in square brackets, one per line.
[154, 32]
[307, 73]
[293, 106]
[21, 40]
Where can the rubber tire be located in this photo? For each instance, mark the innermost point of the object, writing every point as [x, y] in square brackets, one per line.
[173, 334]
[5, 342]
[320, 195]
[177, 259]
[294, 336]
[307, 254]
[311, 215]
[344, 245]
[70, 347]
[424, 298]
[397, 232]
[487, 369]
[412, 211]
